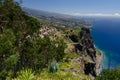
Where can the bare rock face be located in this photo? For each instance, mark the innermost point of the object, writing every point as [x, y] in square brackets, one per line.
[78, 47]
[89, 69]
[92, 53]
[73, 38]
[84, 46]
[89, 49]
[86, 38]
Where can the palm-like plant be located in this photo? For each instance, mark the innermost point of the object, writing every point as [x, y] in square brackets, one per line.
[27, 74]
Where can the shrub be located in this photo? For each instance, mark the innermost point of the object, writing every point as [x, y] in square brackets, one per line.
[113, 74]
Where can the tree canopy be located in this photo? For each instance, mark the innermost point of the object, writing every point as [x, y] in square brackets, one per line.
[18, 52]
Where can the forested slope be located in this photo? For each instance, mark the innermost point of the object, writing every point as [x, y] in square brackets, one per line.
[44, 48]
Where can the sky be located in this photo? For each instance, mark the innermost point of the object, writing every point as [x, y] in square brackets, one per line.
[77, 7]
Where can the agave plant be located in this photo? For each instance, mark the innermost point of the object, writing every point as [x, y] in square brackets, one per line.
[53, 67]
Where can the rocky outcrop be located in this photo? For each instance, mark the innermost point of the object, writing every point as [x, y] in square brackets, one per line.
[89, 50]
[87, 42]
[74, 38]
[90, 68]
[85, 47]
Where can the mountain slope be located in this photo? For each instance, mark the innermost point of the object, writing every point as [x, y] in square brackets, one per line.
[45, 13]
[32, 47]
[81, 41]
[55, 19]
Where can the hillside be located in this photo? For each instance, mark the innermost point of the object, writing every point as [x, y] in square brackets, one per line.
[39, 47]
[55, 19]
[45, 13]
[77, 32]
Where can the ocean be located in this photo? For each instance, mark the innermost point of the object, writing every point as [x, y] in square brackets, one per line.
[106, 35]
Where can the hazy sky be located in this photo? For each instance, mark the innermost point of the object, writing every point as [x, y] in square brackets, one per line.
[76, 7]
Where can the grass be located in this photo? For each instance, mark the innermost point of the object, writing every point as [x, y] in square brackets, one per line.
[64, 65]
[61, 75]
[77, 30]
[77, 66]
[45, 75]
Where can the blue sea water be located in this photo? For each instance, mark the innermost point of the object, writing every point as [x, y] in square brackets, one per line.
[106, 35]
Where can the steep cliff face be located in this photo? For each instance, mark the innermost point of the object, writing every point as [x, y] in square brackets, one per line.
[85, 48]
[89, 50]
[87, 43]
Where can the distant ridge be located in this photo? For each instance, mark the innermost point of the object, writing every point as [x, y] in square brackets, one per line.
[45, 13]
[56, 18]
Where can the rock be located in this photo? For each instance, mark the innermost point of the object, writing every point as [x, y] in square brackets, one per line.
[85, 29]
[89, 51]
[85, 46]
[74, 38]
[79, 47]
[89, 69]
[92, 53]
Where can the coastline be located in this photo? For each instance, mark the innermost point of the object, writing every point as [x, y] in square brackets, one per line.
[99, 60]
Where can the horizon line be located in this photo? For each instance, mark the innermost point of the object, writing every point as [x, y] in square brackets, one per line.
[97, 14]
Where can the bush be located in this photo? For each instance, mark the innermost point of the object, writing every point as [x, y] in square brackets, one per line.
[113, 74]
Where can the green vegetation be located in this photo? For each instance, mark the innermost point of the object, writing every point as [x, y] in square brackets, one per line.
[64, 65]
[109, 74]
[20, 52]
[27, 74]
[53, 67]
[45, 75]
[24, 55]
[77, 30]
[61, 75]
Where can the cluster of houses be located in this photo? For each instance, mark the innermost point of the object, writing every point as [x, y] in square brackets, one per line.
[46, 31]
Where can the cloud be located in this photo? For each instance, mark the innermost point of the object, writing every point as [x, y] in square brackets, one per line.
[117, 14]
[95, 14]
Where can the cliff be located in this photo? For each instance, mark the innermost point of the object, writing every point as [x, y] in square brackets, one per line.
[88, 56]
[75, 33]
[91, 55]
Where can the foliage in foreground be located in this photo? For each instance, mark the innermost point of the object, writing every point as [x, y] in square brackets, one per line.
[45, 75]
[27, 74]
[109, 74]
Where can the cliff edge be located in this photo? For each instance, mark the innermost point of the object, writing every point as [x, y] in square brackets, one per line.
[89, 56]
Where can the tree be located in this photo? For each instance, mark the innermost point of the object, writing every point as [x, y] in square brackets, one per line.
[7, 50]
[17, 51]
[36, 53]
